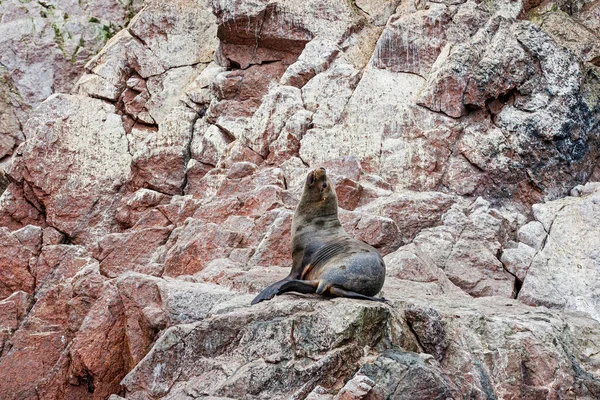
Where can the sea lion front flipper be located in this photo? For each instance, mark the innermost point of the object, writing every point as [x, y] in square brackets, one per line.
[338, 292]
[269, 292]
[298, 286]
[285, 285]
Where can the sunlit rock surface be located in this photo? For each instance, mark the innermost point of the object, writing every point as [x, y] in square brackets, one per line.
[152, 155]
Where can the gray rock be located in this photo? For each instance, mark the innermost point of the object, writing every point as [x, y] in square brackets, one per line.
[532, 234]
[565, 273]
[313, 341]
[466, 248]
[406, 375]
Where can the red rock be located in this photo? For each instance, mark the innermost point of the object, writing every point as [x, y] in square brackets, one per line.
[194, 172]
[12, 310]
[134, 250]
[195, 244]
[30, 237]
[287, 144]
[179, 209]
[51, 236]
[409, 263]
[239, 93]
[241, 170]
[263, 199]
[132, 207]
[348, 167]
[380, 232]
[57, 263]
[278, 106]
[15, 259]
[295, 90]
[220, 210]
[37, 363]
[99, 353]
[65, 182]
[208, 145]
[319, 393]
[16, 212]
[276, 41]
[152, 218]
[207, 186]
[348, 193]
[315, 58]
[411, 211]
[275, 246]
[124, 323]
[142, 304]
[360, 387]
[237, 152]
[160, 163]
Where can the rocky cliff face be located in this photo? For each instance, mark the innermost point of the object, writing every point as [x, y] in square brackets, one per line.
[152, 195]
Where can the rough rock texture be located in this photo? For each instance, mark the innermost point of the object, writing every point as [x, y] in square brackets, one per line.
[93, 140]
[564, 273]
[44, 47]
[466, 245]
[148, 195]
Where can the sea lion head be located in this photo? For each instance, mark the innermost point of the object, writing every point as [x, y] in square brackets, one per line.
[318, 197]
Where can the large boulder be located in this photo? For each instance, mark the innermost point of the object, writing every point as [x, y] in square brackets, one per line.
[280, 349]
[466, 247]
[84, 164]
[564, 272]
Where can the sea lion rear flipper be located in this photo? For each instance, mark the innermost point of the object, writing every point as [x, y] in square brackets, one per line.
[338, 292]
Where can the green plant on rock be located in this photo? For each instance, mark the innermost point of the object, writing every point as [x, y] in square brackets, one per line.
[109, 30]
[58, 37]
[79, 46]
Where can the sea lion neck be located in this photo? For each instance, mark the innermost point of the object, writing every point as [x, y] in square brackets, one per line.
[310, 210]
[321, 206]
[318, 207]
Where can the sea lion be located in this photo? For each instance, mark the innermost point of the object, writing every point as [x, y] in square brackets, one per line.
[326, 260]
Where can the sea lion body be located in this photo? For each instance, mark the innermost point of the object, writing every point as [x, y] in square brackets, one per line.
[326, 260]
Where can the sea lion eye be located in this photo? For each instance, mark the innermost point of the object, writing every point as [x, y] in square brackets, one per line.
[324, 185]
[311, 178]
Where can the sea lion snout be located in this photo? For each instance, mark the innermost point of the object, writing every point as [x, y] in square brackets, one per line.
[317, 174]
[320, 173]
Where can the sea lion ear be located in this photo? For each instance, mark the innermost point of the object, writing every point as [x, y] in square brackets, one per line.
[310, 178]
